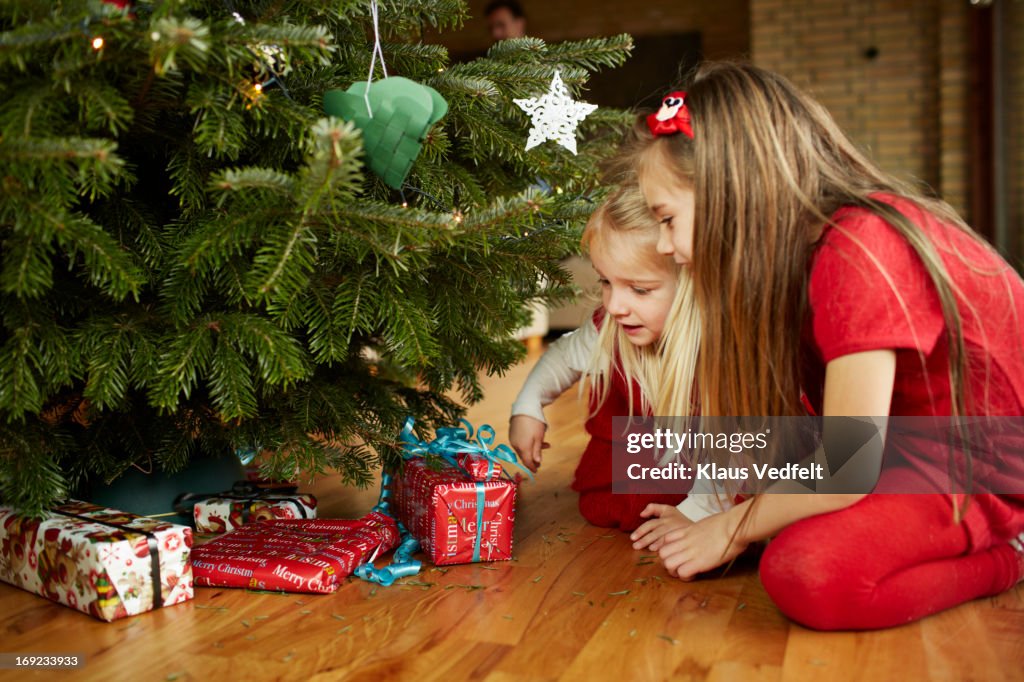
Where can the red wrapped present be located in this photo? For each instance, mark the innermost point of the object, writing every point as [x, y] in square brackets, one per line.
[225, 513]
[104, 562]
[455, 518]
[293, 556]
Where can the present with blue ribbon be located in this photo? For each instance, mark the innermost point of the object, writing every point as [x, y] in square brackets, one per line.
[456, 482]
[456, 494]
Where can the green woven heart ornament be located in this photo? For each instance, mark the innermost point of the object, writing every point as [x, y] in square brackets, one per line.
[403, 111]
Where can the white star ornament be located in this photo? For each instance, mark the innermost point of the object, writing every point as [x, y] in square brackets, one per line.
[555, 115]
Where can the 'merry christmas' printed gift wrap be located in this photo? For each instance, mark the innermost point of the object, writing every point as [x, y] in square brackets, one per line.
[104, 562]
[293, 556]
[451, 496]
[456, 519]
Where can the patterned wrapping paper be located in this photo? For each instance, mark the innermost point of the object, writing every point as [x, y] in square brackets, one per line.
[440, 509]
[84, 562]
[223, 514]
[479, 468]
[293, 556]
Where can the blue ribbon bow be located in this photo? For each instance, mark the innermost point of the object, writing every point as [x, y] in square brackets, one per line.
[450, 441]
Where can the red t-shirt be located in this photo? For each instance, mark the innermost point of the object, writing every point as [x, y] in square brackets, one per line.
[868, 290]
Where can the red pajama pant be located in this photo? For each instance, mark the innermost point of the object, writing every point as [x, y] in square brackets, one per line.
[598, 504]
[594, 474]
[885, 561]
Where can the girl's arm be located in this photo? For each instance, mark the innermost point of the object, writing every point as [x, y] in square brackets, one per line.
[558, 369]
[856, 385]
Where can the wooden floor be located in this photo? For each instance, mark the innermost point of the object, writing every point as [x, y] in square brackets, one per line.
[577, 603]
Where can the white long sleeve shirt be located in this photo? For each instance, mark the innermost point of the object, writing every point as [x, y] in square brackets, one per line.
[561, 366]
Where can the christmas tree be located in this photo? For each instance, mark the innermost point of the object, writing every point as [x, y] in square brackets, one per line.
[196, 259]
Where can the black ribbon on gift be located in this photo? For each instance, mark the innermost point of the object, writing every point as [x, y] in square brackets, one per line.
[154, 550]
[245, 491]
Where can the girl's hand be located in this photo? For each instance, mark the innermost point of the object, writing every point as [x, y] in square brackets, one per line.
[526, 436]
[702, 546]
[667, 522]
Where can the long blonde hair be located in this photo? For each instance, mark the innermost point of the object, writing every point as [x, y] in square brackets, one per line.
[769, 167]
[626, 213]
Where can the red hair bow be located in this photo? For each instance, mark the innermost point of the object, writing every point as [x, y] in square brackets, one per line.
[673, 116]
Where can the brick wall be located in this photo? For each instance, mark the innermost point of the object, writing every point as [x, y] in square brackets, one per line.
[892, 72]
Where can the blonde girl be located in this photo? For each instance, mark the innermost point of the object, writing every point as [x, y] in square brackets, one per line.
[617, 349]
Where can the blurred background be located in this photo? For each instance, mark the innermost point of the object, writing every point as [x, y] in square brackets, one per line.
[932, 89]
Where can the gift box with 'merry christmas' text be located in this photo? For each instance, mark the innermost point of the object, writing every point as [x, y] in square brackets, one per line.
[293, 556]
[104, 562]
[456, 518]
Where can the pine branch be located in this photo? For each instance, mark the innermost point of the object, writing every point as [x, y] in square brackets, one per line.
[108, 266]
[325, 338]
[186, 359]
[27, 270]
[230, 383]
[279, 359]
[103, 107]
[592, 54]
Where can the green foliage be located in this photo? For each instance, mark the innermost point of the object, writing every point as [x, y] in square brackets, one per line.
[191, 265]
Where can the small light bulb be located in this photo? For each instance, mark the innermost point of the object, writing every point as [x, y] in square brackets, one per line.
[155, 36]
[258, 87]
[97, 43]
[405, 204]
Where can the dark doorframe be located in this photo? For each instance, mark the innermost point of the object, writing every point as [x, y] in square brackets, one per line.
[981, 119]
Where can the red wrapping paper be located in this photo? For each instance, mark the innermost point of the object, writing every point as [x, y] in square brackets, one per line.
[479, 468]
[440, 510]
[293, 556]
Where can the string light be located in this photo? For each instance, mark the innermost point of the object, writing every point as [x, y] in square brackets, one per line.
[457, 216]
[97, 43]
[253, 93]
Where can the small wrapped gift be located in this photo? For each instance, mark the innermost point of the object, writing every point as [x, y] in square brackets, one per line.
[242, 505]
[458, 505]
[293, 556]
[104, 562]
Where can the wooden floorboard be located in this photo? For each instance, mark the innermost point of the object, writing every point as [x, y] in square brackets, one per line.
[577, 603]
